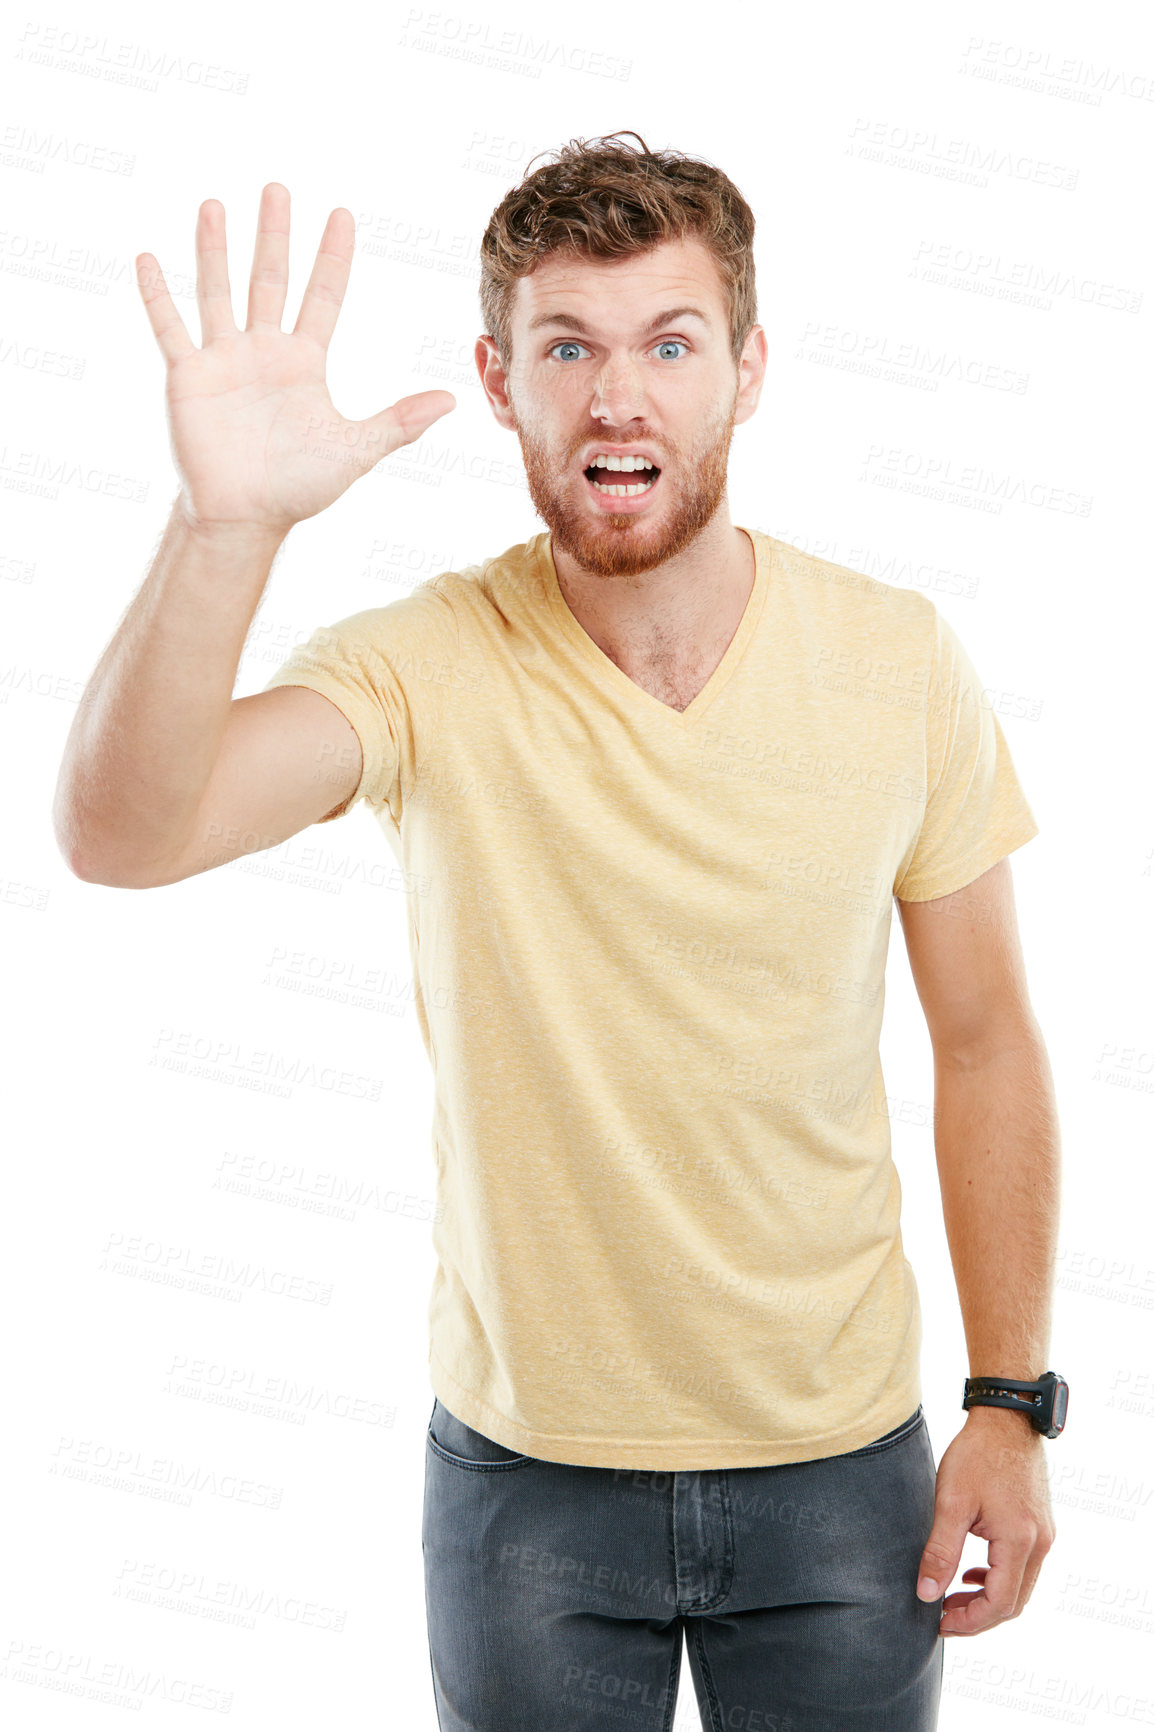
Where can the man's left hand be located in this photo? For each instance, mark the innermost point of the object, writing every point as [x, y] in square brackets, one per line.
[992, 1482]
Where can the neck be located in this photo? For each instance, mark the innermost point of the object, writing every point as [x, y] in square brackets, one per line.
[675, 617]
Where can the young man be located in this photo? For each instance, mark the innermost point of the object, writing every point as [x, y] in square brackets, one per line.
[658, 780]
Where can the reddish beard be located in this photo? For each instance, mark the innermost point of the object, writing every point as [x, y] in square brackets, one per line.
[623, 544]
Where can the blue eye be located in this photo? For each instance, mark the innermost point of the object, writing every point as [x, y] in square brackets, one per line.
[666, 343]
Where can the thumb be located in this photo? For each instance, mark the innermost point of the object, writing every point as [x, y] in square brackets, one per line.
[401, 423]
[942, 1553]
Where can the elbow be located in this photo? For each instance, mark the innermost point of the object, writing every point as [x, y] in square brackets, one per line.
[90, 866]
[995, 1042]
[92, 871]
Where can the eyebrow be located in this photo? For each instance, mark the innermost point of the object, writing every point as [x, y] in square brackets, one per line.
[570, 322]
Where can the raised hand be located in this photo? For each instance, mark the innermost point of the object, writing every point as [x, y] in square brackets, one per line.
[254, 434]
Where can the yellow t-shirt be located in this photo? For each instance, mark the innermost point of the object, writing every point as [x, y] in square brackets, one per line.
[649, 951]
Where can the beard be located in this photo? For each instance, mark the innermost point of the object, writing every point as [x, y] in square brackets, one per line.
[621, 544]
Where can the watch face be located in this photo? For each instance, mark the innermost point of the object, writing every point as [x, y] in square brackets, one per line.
[1061, 1396]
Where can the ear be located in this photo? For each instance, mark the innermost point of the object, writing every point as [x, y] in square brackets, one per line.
[494, 381]
[751, 374]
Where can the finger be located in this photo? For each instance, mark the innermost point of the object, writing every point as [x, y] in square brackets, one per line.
[325, 289]
[987, 1615]
[959, 1602]
[268, 284]
[366, 442]
[997, 1600]
[957, 1620]
[1008, 1560]
[943, 1550]
[407, 418]
[213, 296]
[168, 327]
[970, 1618]
[1029, 1579]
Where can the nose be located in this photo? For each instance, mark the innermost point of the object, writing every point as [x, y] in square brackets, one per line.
[618, 392]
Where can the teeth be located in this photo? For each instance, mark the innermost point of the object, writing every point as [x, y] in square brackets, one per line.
[624, 492]
[626, 463]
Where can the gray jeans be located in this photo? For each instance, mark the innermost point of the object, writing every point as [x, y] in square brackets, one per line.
[557, 1596]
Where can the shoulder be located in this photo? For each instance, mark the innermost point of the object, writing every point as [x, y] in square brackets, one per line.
[436, 609]
[844, 595]
[493, 583]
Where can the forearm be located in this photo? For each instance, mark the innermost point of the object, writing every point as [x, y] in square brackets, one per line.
[149, 724]
[997, 1140]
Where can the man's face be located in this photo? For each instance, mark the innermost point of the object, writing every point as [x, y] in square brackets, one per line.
[608, 361]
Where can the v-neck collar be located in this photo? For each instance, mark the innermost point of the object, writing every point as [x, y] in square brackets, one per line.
[607, 670]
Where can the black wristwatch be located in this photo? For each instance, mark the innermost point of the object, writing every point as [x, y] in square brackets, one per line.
[1043, 1402]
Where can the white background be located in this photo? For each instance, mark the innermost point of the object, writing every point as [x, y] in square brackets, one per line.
[967, 185]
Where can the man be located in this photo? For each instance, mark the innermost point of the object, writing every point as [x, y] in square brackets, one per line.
[657, 780]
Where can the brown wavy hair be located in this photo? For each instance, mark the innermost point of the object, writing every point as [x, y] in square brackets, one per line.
[604, 200]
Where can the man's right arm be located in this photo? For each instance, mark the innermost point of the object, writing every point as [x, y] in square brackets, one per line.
[165, 774]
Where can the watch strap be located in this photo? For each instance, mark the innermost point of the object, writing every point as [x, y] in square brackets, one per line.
[993, 1388]
[990, 1398]
[1042, 1400]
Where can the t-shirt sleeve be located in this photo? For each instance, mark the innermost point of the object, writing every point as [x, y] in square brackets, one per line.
[364, 664]
[343, 662]
[975, 811]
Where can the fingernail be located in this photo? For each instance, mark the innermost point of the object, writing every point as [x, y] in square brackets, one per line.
[927, 1589]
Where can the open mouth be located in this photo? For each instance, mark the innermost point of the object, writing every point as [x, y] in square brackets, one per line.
[622, 483]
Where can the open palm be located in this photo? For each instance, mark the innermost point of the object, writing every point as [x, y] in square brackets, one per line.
[255, 437]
